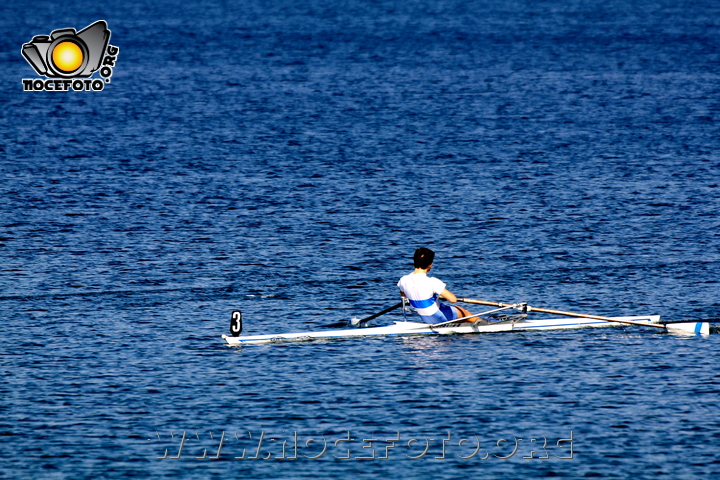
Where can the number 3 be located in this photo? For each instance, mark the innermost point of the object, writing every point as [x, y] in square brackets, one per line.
[236, 323]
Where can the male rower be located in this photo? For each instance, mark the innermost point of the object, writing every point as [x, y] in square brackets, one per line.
[425, 292]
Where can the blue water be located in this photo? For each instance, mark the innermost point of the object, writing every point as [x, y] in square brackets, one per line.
[285, 159]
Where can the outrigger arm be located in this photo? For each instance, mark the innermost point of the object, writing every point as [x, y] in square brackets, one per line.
[525, 308]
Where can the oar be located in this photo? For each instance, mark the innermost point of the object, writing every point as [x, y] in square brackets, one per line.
[389, 309]
[560, 312]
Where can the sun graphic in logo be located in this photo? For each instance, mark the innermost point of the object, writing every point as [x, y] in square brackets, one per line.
[67, 56]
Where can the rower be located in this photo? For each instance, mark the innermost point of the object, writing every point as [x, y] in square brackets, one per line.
[425, 292]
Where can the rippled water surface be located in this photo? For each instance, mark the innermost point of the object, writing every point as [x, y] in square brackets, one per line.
[285, 159]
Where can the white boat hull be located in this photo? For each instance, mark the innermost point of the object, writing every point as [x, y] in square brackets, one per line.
[417, 328]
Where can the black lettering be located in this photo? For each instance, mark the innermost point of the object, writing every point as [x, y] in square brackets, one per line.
[58, 85]
[27, 84]
[113, 50]
[77, 85]
[110, 61]
[38, 85]
[48, 83]
[106, 72]
[98, 85]
[88, 84]
[66, 84]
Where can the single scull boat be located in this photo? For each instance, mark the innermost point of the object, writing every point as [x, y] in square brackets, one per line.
[502, 323]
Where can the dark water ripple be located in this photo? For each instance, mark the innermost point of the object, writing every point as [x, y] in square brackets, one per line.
[285, 159]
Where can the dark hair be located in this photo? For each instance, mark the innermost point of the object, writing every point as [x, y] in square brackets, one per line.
[423, 258]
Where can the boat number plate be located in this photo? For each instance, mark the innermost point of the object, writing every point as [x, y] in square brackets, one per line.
[236, 323]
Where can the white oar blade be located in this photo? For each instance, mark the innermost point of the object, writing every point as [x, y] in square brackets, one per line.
[702, 328]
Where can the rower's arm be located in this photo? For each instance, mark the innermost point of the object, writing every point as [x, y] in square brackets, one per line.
[448, 295]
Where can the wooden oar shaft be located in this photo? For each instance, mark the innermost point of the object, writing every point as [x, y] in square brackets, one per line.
[561, 312]
[596, 317]
[484, 302]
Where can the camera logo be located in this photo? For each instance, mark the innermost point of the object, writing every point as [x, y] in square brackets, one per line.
[66, 57]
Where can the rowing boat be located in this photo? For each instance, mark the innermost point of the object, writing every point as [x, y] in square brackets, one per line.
[501, 323]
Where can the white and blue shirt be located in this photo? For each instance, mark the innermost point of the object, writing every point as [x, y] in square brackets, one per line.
[422, 291]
